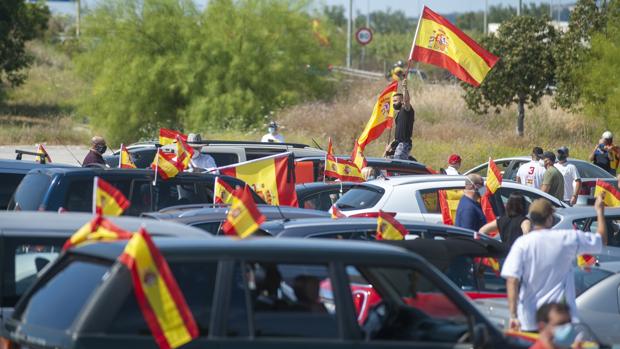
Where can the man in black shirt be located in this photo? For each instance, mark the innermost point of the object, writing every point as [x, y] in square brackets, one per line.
[405, 118]
[95, 154]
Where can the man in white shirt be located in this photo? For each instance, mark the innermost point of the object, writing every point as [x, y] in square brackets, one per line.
[200, 162]
[272, 136]
[531, 173]
[454, 164]
[539, 266]
[572, 180]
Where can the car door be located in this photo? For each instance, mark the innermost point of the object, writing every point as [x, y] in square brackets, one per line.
[429, 202]
[322, 200]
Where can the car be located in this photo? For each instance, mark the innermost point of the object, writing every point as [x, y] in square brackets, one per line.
[584, 219]
[310, 169]
[31, 240]
[11, 174]
[321, 195]
[417, 197]
[71, 189]
[255, 293]
[588, 172]
[223, 152]
[210, 218]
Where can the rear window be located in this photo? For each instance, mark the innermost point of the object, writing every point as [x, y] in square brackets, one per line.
[8, 184]
[587, 170]
[30, 192]
[359, 198]
[57, 300]
[586, 278]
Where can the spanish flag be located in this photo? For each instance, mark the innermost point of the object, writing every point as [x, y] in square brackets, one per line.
[162, 303]
[243, 217]
[612, 195]
[448, 202]
[441, 43]
[107, 200]
[165, 165]
[42, 155]
[98, 229]
[493, 182]
[388, 228]
[336, 213]
[586, 261]
[167, 136]
[491, 263]
[357, 157]
[381, 118]
[272, 178]
[184, 152]
[341, 169]
[124, 159]
[222, 192]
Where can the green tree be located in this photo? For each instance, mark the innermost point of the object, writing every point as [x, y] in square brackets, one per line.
[524, 71]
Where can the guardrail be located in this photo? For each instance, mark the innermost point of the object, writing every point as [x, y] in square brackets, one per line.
[359, 73]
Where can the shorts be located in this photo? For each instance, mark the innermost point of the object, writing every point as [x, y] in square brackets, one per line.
[402, 151]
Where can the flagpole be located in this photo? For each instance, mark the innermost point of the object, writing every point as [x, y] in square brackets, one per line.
[415, 38]
[156, 167]
[120, 157]
[95, 182]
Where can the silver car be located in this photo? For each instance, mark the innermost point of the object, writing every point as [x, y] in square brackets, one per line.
[584, 218]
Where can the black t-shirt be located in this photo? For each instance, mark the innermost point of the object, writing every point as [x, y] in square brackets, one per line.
[93, 158]
[510, 229]
[404, 125]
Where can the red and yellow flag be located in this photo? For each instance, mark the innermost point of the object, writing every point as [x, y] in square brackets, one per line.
[42, 155]
[336, 213]
[493, 182]
[184, 152]
[222, 192]
[358, 158]
[107, 200]
[448, 202]
[586, 261]
[165, 165]
[319, 33]
[168, 136]
[441, 43]
[388, 228]
[272, 178]
[124, 159]
[162, 303]
[491, 263]
[612, 195]
[381, 118]
[341, 169]
[98, 229]
[243, 217]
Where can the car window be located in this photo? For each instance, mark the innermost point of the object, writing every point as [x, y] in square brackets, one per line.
[141, 198]
[360, 197]
[585, 278]
[424, 311]
[210, 227]
[142, 158]
[57, 301]
[588, 170]
[173, 193]
[79, 196]
[8, 184]
[321, 201]
[31, 191]
[288, 300]
[528, 195]
[391, 172]
[224, 159]
[430, 199]
[197, 283]
[613, 228]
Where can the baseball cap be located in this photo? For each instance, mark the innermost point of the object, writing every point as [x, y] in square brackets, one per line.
[540, 210]
[193, 138]
[563, 151]
[538, 151]
[549, 155]
[454, 159]
[607, 135]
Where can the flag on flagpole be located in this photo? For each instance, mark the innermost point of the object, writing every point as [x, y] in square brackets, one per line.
[381, 118]
[243, 217]
[184, 152]
[165, 165]
[157, 293]
[107, 200]
[493, 182]
[612, 195]
[222, 192]
[272, 178]
[168, 136]
[124, 159]
[388, 228]
[98, 229]
[441, 43]
[42, 155]
[357, 157]
[448, 202]
[336, 213]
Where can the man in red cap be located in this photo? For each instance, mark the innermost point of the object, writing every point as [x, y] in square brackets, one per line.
[454, 163]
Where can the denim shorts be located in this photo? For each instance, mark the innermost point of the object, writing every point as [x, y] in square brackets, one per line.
[402, 151]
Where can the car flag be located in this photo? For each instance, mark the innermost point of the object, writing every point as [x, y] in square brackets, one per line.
[107, 200]
[165, 165]
[222, 192]
[168, 136]
[493, 182]
[98, 229]
[124, 160]
[184, 152]
[243, 217]
[388, 228]
[42, 155]
[341, 169]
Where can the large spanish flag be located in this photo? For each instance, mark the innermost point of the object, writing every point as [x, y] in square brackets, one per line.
[168, 136]
[388, 228]
[358, 158]
[381, 118]
[272, 178]
[441, 43]
[162, 303]
[243, 217]
[124, 159]
[341, 169]
[222, 192]
[108, 200]
[165, 165]
[612, 195]
[98, 229]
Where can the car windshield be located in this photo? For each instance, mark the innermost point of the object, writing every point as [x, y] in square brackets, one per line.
[30, 192]
[585, 278]
[587, 170]
[359, 198]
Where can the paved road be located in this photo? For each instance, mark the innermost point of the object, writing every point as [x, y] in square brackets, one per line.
[58, 153]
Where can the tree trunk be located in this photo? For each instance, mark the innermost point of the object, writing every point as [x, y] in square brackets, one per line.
[521, 116]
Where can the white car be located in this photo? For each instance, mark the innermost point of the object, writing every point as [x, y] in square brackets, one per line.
[416, 197]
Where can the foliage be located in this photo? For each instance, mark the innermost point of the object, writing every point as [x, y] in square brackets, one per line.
[155, 63]
[524, 71]
[473, 20]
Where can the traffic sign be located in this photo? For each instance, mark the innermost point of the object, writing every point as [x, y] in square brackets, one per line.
[363, 36]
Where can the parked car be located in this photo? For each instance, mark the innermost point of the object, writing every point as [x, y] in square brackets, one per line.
[321, 195]
[584, 218]
[389, 167]
[417, 198]
[588, 172]
[255, 293]
[11, 174]
[71, 189]
[210, 218]
[223, 152]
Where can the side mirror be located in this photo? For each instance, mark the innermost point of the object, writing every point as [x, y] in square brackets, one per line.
[480, 336]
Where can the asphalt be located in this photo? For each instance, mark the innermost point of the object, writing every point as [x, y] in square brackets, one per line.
[58, 153]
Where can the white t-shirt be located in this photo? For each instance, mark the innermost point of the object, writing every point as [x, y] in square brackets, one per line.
[202, 162]
[570, 174]
[271, 138]
[531, 174]
[543, 261]
[452, 171]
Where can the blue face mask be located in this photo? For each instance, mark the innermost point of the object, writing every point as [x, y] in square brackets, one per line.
[564, 335]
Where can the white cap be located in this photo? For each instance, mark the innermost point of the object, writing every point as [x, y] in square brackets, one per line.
[608, 135]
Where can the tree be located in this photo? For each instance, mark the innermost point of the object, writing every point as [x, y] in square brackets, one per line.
[524, 71]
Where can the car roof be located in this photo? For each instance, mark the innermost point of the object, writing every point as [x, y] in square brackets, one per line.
[403, 180]
[117, 171]
[35, 223]
[277, 212]
[585, 211]
[322, 185]
[23, 166]
[373, 161]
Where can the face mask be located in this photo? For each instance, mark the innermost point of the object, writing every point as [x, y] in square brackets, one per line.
[397, 106]
[481, 191]
[541, 162]
[101, 148]
[564, 335]
[271, 130]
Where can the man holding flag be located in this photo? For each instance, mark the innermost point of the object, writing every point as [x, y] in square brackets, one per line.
[405, 118]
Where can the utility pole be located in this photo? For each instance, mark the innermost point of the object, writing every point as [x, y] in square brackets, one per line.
[486, 14]
[363, 58]
[77, 18]
[551, 10]
[519, 8]
[349, 33]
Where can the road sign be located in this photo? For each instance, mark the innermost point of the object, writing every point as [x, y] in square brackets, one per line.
[363, 36]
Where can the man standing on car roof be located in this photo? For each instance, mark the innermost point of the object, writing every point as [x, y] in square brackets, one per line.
[405, 118]
[272, 136]
[539, 266]
[531, 173]
[469, 213]
[572, 180]
[95, 154]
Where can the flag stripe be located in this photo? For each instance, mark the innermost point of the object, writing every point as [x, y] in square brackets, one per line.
[423, 54]
[380, 119]
[115, 194]
[221, 187]
[609, 188]
[494, 177]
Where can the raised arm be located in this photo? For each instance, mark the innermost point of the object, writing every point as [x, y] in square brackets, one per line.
[599, 206]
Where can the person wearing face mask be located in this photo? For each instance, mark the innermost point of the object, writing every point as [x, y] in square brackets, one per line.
[555, 327]
[539, 266]
[95, 155]
[272, 136]
[469, 213]
[553, 181]
[405, 118]
[200, 162]
[572, 180]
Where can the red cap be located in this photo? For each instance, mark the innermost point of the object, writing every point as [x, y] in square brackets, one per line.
[454, 159]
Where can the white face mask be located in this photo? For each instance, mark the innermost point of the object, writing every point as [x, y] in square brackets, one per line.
[272, 130]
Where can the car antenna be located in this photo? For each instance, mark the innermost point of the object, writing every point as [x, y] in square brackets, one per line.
[284, 218]
[317, 144]
[72, 155]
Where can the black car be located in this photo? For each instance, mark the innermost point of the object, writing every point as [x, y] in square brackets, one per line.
[255, 293]
[210, 218]
[71, 189]
[321, 195]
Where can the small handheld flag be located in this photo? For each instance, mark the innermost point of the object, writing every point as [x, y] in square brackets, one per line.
[98, 229]
[243, 217]
[342, 169]
[167, 136]
[107, 200]
[381, 118]
[222, 192]
[388, 228]
[612, 195]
